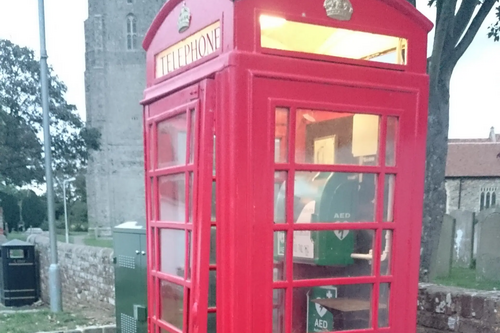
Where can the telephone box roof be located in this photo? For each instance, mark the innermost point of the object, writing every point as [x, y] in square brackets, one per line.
[402, 6]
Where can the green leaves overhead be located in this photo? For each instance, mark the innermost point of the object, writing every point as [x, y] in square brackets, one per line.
[21, 134]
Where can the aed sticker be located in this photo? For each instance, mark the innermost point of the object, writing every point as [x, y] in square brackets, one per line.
[319, 319]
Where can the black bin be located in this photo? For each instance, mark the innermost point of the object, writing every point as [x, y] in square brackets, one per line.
[18, 276]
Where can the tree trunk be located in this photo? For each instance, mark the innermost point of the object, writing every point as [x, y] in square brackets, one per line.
[435, 192]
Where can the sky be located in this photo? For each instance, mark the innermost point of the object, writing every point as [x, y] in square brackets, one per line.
[475, 86]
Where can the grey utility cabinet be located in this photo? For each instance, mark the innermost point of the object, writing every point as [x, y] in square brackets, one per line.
[130, 260]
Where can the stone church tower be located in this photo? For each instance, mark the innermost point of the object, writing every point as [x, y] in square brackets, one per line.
[114, 81]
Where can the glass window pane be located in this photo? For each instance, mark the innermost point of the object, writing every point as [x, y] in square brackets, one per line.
[129, 42]
[280, 196]
[324, 137]
[214, 159]
[390, 148]
[192, 135]
[172, 197]
[279, 310]
[190, 205]
[152, 199]
[172, 303]
[173, 251]
[383, 307]
[334, 197]
[154, 312]
[279, 270]
[214, 201]
[212, 289]
[212, 323]
[172, 141]
[151, 146]
[332, 253]
[389, 189]
[213, 244]
[386, 252]
[281, 136]
[332, 308]
[330, 41]
[190, 258]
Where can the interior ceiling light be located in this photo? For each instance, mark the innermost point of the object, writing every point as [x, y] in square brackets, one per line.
[308, 117]
[270, 22]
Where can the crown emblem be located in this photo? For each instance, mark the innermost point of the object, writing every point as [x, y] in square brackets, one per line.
[338, 9]
[184, 19]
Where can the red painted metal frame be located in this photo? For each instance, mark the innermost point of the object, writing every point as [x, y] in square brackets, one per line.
[409, 116]
[194, 282]
[246, 82]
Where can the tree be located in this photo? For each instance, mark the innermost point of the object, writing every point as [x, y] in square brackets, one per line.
[34, 210]
[457, 24]
[11, 211]
[21, 145]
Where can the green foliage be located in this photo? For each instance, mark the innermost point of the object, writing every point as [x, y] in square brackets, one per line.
[495, 28]
[34, 210]
[10, 206]
[78, 212]
[79, 227]
[80, 186]
[21, 146]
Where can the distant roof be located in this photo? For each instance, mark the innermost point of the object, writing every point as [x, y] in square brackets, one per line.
[473, 157]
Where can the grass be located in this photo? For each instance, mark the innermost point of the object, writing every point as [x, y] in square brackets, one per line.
[44, 320]
[60, 234]
[98, 242]
[466, 278]
[89, 240]
[17, 235]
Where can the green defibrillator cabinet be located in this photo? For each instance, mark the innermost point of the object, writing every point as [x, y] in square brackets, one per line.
[336, 201]
[330, 197]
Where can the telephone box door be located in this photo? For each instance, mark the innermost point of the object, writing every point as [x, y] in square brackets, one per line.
[178, 128]
[342, 178]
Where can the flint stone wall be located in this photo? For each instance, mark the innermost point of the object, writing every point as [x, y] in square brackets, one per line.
[448, 309]
[87, 274]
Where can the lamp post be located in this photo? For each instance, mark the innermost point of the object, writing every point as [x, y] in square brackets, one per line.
[54, 273]
[65, 209]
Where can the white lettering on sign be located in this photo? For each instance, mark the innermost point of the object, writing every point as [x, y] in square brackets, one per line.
[193, 48]
[342, 215]
[323, 324]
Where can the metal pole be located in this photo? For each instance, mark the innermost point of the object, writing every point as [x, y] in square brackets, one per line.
[54, 274]
[65, 213]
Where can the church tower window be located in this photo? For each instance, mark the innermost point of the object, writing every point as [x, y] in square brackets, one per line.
[488, 198]
[131, 32]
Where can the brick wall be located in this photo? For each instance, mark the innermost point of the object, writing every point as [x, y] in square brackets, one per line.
[446, 309]
[87, 274]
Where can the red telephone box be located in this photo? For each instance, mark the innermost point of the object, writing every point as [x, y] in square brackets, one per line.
[284, 150]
